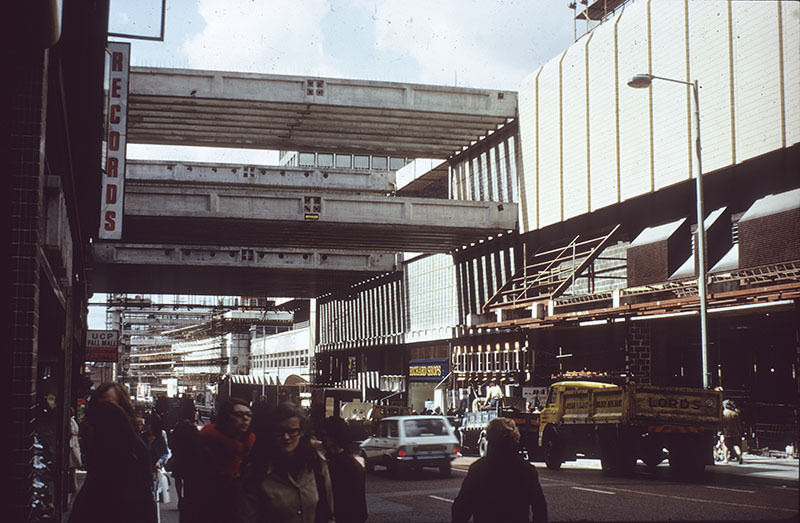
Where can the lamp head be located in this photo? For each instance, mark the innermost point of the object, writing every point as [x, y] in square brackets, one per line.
[640, 81]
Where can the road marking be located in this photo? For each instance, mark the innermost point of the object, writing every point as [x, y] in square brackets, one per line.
[709, 501]
[594, 490]
[732, 489]
[441, 498]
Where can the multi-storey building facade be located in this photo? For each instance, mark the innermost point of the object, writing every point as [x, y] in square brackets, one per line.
[601, 275]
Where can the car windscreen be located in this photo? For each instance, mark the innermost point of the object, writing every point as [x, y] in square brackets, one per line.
[424, 427]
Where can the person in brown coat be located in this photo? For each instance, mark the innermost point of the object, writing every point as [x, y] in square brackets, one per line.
[501, 486]
[732, 431]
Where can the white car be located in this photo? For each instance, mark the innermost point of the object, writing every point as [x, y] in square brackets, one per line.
[403, 443]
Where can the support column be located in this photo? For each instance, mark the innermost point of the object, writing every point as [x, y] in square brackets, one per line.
[638, 353]
[27, 88]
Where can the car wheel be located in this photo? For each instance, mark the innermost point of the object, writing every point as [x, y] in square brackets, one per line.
[482, 445]
[368, 465]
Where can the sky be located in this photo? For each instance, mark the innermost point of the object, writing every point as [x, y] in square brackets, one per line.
[491, 44]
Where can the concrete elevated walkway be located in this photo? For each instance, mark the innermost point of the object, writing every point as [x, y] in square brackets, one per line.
[259, 111]
[165, 268]
[262, 176]
[161, 211]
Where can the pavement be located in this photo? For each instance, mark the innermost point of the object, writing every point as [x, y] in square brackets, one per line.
[778, 470]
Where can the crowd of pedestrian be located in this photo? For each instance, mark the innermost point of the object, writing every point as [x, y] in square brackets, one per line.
[270, 465]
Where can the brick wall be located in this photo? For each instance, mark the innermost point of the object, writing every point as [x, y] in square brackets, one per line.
[26, 82]
[639, 351]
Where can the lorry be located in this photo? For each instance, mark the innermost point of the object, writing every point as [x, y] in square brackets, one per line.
[471, 428]
[620, 424]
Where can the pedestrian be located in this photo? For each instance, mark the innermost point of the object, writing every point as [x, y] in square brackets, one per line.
[155, 438]
[212, 489]
[288, 478]
[501, 486]
[184, 443]
[118, 484]
[347, 474]
[75, 459]
[732, 431]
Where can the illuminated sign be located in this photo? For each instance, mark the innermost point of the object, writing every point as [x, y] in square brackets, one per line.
[102, 345]
[428, 370]
[112, 196]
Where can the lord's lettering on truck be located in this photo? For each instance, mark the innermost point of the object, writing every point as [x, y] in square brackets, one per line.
[673, 403]
[112, 191]
[102, 345]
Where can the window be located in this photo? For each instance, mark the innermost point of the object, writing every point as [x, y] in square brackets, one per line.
[325, 160]
[379, 162]
[396, 163]
[388, 429]
[344, 160]
[306, 160]
[424, 427]
[361, 161]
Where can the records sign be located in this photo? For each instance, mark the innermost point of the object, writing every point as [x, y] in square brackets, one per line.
[112, 196]
[102, 345]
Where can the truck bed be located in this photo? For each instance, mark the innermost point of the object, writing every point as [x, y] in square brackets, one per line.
[636, 404]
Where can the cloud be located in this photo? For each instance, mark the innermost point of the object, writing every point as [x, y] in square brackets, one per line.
[278, 36]
[491, 44]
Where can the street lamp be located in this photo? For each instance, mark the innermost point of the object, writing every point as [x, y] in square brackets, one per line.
[640, 81]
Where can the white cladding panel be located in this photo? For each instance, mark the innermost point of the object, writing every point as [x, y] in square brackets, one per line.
[634, 112]
[708, 32]
[528, 133]
[573, 73]
[791, 69]
[757, 83]
[549, 140]
[602, 120]
[672, 145]
[749, 102]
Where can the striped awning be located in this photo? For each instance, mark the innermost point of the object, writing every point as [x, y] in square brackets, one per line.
[254, 379]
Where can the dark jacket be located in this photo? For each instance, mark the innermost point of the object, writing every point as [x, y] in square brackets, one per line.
[500, 488]
[213, 485]
[349, 490]
[119, 481]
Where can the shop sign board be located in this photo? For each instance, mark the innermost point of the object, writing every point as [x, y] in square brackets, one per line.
[428, 370]
[102, 345]
[112, 195]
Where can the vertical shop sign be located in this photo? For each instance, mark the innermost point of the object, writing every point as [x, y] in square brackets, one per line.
[112, 197]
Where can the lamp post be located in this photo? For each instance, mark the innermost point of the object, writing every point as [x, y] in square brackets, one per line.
[640, 81]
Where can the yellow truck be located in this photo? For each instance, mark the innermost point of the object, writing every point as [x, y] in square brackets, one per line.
[622, 423]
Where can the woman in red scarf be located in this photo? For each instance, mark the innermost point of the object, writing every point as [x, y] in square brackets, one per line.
[223, 446]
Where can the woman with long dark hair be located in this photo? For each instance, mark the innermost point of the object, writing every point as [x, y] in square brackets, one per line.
[288, 479]
[118, 485]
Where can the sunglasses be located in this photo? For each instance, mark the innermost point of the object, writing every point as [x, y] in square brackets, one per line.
[292, 433]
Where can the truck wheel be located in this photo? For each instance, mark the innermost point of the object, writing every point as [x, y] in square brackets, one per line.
[445, 470]
[552, 455]
[686, 462]
[482, 445]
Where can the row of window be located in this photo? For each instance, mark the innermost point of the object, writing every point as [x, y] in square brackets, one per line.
[348, 161]
[281, 360]
[508, 361]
